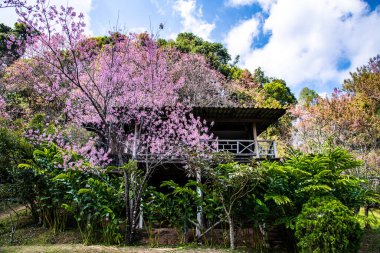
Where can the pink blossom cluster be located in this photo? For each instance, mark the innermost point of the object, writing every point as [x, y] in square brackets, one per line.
[3, 112]
[341, 119]
[12, 3]
[374, 64]
[126, 91]
[173, 132]
[47, 84]
[90, 155]
[203, 86]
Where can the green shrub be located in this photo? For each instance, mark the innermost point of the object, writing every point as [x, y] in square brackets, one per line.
[326, 225]
[90, 196]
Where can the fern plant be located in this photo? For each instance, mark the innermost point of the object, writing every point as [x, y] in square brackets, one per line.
[303, 177]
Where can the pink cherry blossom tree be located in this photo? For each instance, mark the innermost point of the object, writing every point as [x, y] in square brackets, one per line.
[125, 92]
[3, 113]
[12, 3]
[203, 86]
[342, 120]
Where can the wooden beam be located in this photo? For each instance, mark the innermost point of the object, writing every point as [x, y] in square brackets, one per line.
[254, 129]
[239, 120]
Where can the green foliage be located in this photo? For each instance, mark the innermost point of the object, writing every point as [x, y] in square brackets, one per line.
[190, 43]
[96, 209]
[48, 193]
[260, 77]
[15, 184]
[303, 178]
[286, 193]
[227, 179]
[19, 32]
[14, 149]
[365, 84]
[326, 225]
[278, 91]
[232, 182]
[184, 201]
[176, 206]
[215, 53]
[308, 97]
[90, 196]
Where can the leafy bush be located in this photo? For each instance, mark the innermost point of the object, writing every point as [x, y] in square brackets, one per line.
[96, 208]
[326, 225]
[64, 185]
[14, 184]
[290, 185]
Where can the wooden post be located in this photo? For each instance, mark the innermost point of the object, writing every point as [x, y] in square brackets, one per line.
[255, 140]
[141, 219]
[275, 149]
[199, 227]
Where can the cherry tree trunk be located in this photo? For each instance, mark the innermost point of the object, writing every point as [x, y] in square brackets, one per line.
[232, 232]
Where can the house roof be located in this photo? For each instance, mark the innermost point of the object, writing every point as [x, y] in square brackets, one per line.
[262, 116]
[245, 113]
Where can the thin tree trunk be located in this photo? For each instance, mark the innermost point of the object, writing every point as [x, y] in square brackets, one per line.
[130, 204]
[232, 232]
[133, 225]
[141, 219]
[199, 227]
[366, 212]
[128, 226]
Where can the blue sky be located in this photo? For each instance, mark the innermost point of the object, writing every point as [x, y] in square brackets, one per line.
[305, 42]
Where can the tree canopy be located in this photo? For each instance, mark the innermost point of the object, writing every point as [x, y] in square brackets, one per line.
[215, 53]
[365, 84]
[308, 97]
[12, 43]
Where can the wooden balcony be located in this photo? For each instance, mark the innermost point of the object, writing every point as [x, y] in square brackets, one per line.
[245, 150]
[242, 150]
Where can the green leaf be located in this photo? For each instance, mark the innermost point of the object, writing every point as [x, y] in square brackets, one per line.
[315, 188]
[84, 190]
[24, 166]
[278, 199]
[61, 176]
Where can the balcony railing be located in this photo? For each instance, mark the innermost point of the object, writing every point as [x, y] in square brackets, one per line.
[246, 149]
[242, 150]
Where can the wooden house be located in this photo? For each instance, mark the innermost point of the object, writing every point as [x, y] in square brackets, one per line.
[236, 130]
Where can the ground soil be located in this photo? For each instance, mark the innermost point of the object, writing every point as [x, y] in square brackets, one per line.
[29, 238]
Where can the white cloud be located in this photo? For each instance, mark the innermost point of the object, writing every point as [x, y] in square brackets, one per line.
[239, 39]
[192, 18]
[309, 38]
[240, 2]
[9, 16]
[265, 4]
[160, 6]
